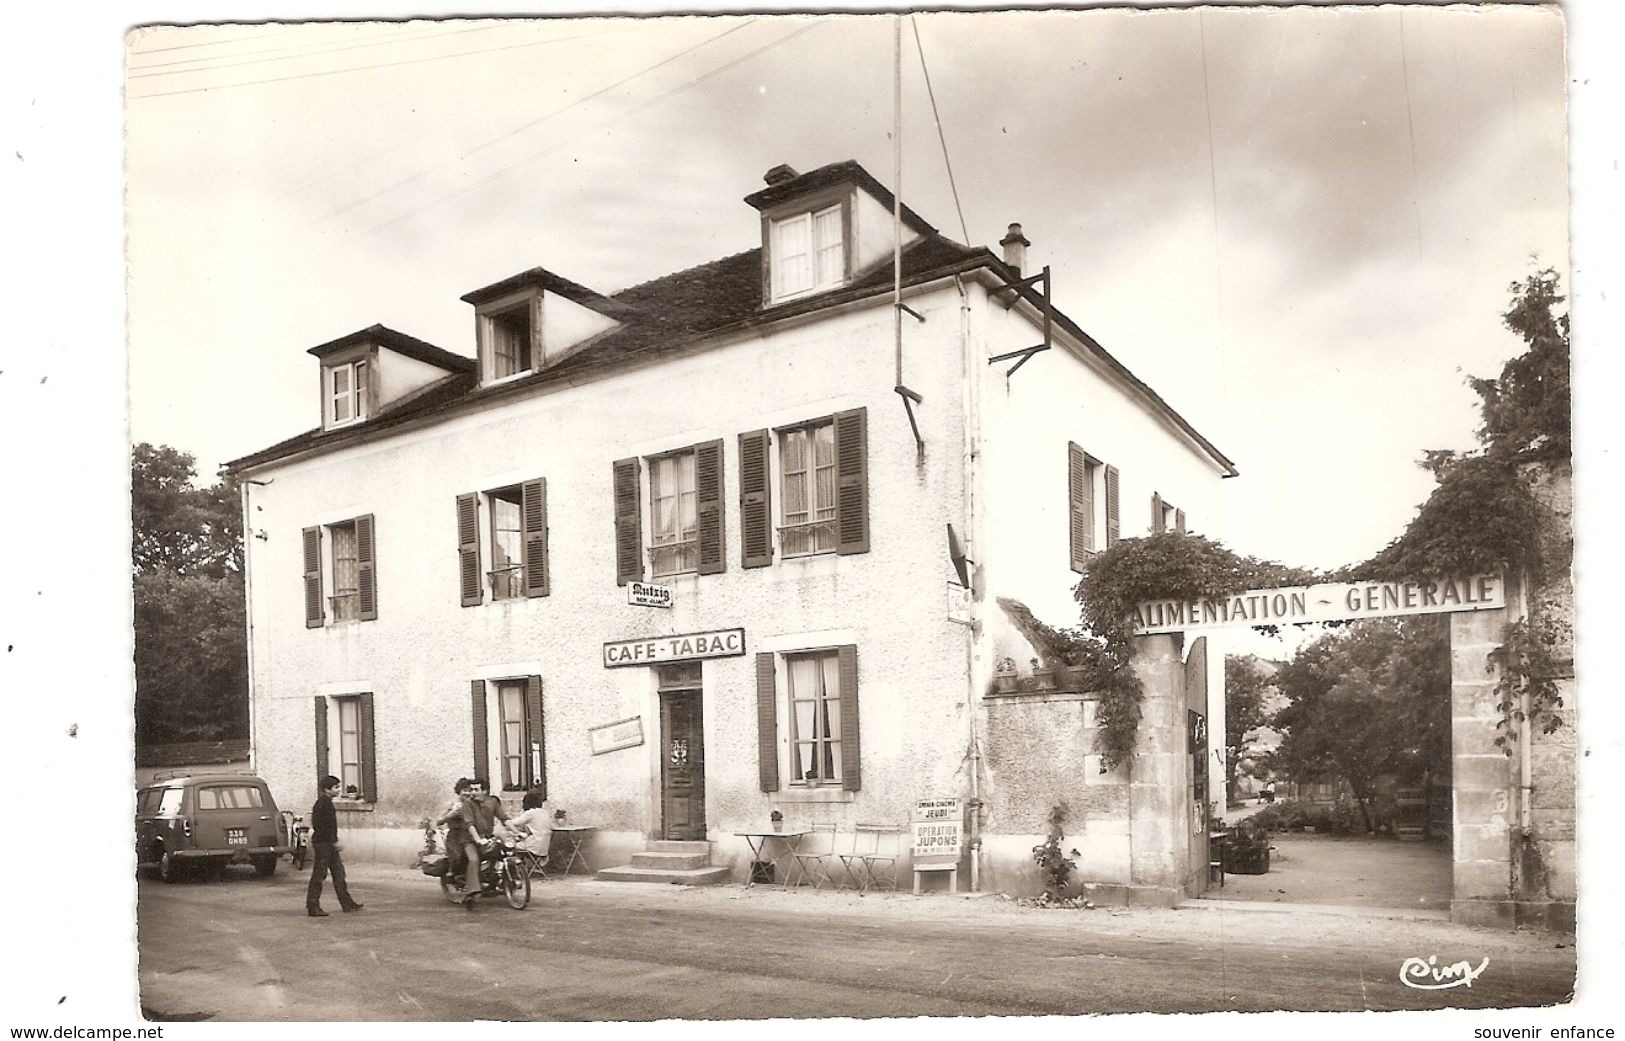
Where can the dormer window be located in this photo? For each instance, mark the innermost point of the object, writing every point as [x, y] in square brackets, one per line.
[809, 252]
[509, 336]
[346, 392]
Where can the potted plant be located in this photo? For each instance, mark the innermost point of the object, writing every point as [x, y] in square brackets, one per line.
[1073, 677]
[1043, 676]
[1004, 675]
[558, 816]
[778, 820]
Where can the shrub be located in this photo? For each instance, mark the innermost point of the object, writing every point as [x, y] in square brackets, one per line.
[1056, 866]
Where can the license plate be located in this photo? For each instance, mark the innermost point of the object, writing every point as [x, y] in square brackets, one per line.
[236, 836]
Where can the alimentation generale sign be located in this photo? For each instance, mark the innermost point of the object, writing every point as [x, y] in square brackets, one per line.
[1326, 602]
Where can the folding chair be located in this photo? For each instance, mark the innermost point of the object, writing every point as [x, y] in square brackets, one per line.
[863, 842]
[812, 855]
[888, 841]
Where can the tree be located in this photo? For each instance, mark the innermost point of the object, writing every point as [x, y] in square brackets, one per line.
[1244, 690]
[1369, 699]
[191, 651]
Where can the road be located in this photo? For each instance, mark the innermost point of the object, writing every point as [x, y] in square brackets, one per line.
[243, 949]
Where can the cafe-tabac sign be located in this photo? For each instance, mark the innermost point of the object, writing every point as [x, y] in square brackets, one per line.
[650, 650]
[1327, 602]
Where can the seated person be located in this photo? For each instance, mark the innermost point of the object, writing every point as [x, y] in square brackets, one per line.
[532, 827]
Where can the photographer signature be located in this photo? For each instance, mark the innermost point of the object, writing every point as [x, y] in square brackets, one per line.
[1434, 976]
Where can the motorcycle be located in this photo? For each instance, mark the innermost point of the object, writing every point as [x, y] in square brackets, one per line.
[298, 837]
[502, 870]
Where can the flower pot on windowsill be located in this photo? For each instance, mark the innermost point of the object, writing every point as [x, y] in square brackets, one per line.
[1004, 682]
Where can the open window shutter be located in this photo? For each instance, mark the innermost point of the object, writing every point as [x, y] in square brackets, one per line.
[313, 578]
[1077, 494]
[1113, 527]
[1179, 521]
[366, 567]
[533, 508]
[1157, 525]
[468, 549]
[535, 737]
[755, 500]
[708, 500]
[851, 777]
[628, 523]
[767, 723]
[369, 753]
[321, 740]
[851, 482]
[482, 755]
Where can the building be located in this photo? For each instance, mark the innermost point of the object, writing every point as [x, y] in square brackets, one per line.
[439, 573]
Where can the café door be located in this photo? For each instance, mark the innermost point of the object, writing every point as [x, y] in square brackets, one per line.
[682, 753]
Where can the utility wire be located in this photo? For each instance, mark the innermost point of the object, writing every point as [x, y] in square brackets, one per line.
[1410, 130]
[200, 43]
[913, 23]
[608, 122]
[300, 51]
[364, 68]
[526, 126]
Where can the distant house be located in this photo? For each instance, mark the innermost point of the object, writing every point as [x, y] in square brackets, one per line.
[680, 554]
[152, 761]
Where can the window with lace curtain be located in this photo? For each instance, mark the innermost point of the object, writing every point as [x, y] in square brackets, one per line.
[815, 719]
[673, 515]
[809, 252]
[807, 457]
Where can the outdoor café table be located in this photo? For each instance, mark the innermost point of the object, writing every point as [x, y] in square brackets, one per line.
[756, 839]
[573, 836]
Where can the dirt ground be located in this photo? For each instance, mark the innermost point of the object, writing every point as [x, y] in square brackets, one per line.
[1374, 871]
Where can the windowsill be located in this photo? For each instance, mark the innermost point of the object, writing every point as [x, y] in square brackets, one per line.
[512, 377]
[344, 424]
[815, 796]
[803, 294]
[353, 806]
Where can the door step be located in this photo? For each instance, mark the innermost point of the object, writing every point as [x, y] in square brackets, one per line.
[676, 863]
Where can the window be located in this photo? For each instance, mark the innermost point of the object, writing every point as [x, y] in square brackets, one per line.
[815, 719]
[352, 759]
[510, 335]
[347, 393]
[685, 519]
[150, 798]
[349, 569]
[818, 705]
[1083, 470]
[516, 538]
[1165, 517]
[673, 515]
[520, 744]
[229, 797]
[809, 252]
[807, 456]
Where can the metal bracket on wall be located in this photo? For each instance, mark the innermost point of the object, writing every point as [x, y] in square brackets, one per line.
[910, 399]
[1013, 292]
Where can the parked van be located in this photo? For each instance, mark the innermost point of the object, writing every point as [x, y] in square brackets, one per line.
[210, 820]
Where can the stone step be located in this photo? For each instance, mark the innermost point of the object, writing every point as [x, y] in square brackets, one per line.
[708, 876]
[678, 846]
[672, 861]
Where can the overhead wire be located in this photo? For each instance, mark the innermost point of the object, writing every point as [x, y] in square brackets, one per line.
[530, 124]
[937, 116]
[298, 51]
[570, 140]
[365, 68]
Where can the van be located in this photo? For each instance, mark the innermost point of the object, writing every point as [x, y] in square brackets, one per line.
[208, 820]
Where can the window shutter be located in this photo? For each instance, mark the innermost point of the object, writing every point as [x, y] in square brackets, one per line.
[708, 500]
[369, 753]
[321, 740]
[533, 509]
[482, 755]
[1077, 491]
[851, 777]
[468, 549]
[1179, 521]
[851, 482]
[755, 500]
[313, 578]
[535, 737]
[767, 723]
[628, 523]
[1113, 527]
[366, 568]
[1157, 525]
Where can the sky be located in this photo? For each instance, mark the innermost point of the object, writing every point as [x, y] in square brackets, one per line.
[1297, 226]
[1309, 285]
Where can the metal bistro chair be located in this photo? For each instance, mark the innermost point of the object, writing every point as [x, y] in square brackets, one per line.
[884, 855]
[863, 840]
[812, 855]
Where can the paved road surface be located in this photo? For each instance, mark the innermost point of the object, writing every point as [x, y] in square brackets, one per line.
[243, 949]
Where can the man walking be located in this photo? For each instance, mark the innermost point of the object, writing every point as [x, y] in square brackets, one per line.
[324, 838]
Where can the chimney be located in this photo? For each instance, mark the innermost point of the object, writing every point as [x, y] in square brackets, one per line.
[780, 174]
[1015, 248]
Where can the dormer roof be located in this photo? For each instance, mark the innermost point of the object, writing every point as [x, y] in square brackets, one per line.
[400, 343]
[783, 189]
[547, 281]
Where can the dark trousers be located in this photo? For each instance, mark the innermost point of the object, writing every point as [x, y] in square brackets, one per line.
[327, 859]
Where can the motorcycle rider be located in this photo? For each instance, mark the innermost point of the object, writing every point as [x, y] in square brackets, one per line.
[480, 813]
[452, 819]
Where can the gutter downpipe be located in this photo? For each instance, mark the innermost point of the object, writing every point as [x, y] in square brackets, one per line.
[971, 465]
[248, 622]
[1526, 771]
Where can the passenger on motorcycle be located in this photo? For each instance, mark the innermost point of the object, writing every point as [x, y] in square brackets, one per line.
[479, 813]
[452, 821]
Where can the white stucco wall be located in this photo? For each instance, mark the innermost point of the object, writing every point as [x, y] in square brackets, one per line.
[399, 375]
[418, 657]
[874, 235]
[566, 325]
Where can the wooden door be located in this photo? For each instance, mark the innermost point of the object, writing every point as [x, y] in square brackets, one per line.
[682, 765]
